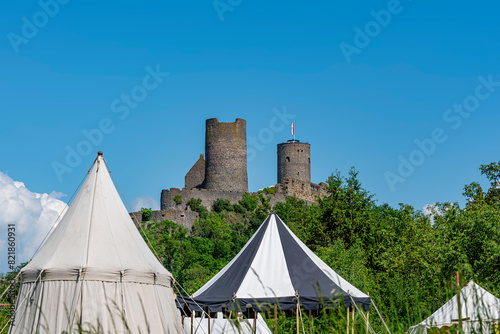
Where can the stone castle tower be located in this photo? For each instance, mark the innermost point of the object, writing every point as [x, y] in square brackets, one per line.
[294, 161]
[294, 172]
[222, 174]
[226, 156]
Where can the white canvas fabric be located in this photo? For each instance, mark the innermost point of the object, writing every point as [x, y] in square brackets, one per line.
[220, 325]
[268, 275]
[480, 309]
[94, 269]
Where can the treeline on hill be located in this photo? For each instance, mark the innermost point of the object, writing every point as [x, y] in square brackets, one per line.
[405, 259]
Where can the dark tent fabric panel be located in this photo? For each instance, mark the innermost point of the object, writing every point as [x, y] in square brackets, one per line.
[306, 277]
[317, 285]
[231, 280]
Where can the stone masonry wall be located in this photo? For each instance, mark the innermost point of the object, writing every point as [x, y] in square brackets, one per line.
[207, 197]
[294, 161]
[185, 218]
[226, 156]
[306, 191]
[196, 175]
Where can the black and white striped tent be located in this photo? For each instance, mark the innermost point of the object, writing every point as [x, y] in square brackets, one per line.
[274, 267]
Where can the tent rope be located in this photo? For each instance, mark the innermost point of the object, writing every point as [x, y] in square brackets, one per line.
[202, 310]
[376, 309]
[300, 314]
[362, 315]
[22, 301]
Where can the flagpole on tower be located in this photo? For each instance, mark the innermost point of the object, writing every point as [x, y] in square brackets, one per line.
[293, 130]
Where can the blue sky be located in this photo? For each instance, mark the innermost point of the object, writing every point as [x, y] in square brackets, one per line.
[366, 111]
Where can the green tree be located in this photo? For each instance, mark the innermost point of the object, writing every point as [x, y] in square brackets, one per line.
[146, 214]
[346, 211]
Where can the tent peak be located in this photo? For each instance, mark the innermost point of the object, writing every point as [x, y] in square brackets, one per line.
[99, 153]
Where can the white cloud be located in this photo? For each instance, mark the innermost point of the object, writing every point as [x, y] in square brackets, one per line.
[430, 210]
[427, 209]
[145, 202]
[33, 215]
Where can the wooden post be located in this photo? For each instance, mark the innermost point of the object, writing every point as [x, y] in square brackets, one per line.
[297, 316]
[239, 324]
[348, 320]
[255, 322]
[368, 318]
[192, 322]
[310, 322]
[353, 320]
[275, 319]
[208, 315]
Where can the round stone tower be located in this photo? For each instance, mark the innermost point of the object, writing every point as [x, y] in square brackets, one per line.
[294, 161]
[226, 155]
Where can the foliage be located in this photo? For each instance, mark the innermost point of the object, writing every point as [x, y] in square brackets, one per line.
[404, 258]
[220, 205]
[146, 214]
[196, 206]
[249, 202]
[268, 190]
[178, 199]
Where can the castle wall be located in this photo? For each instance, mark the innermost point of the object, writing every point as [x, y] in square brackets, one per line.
[294, 161]
[185, 218]
[207, 197]
[226, 156]
[306, 191]
[196, 175]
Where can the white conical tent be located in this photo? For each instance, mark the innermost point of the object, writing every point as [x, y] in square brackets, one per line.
[480, 310]
[271, 268]
[96, 270]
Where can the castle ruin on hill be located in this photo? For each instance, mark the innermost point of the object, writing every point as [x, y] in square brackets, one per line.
[222, 173]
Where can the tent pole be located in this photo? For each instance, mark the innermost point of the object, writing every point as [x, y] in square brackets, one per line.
[297, 316]
[275, 319]
[310, 322]
[255, 322]
[192, 322]
[353, 320]
[367, 318]
[208, 313]
[348, 320]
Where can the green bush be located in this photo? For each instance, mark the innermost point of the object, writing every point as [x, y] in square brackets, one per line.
[196, 206]
[220, 205]
[146, 214]
[268, 190]
[178, 199]
[249, 202]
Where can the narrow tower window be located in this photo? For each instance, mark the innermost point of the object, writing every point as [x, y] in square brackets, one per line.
[287, 159]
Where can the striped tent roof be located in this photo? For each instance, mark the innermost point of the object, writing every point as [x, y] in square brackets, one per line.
[274, 267]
